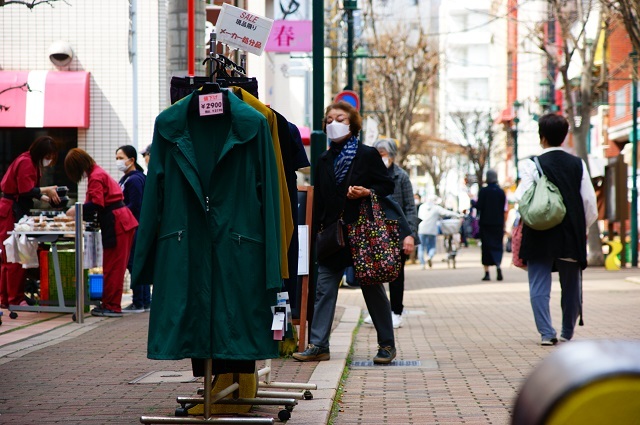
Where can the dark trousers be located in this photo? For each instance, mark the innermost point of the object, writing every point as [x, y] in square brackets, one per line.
[375, 297]
[396, 289]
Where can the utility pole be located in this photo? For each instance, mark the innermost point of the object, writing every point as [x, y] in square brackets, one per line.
[634, 160]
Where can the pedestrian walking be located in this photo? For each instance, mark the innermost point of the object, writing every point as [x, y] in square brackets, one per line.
[563, 247]
[117, 225]
[430, 213]
[491, 207]
[403, 195]
[132, 185]
[345, 174]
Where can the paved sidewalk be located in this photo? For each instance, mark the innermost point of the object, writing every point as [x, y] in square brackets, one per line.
[464, 350]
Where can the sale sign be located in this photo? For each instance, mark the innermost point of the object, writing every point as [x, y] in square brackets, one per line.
[242, 30]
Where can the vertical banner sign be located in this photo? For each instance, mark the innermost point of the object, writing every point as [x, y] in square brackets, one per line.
[242, 30]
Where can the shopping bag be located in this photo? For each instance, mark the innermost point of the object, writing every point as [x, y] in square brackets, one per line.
[516, 242]
[375, 244]
[542, 206]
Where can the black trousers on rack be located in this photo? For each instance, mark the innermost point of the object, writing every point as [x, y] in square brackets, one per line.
[182, 86]
[223, 366]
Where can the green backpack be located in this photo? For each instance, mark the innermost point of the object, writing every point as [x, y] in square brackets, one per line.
[541, 206]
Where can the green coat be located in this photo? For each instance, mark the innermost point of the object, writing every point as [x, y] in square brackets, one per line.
[209, 234]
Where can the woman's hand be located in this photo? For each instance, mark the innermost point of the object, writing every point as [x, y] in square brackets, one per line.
[71, 212]
[408, 244]
[356, 192]
[50, 192]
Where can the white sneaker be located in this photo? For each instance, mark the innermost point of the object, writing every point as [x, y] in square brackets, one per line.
[397, 320]
[368, 320]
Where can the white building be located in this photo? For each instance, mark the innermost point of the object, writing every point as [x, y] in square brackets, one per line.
[109, 93]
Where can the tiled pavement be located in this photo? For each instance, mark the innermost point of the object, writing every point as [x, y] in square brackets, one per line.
[464, 350]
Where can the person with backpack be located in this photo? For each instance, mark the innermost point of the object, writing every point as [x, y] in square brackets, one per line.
[562, 248]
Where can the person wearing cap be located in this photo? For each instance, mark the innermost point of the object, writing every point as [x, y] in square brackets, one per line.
[403, 195]
[491, 206]
[146, 154]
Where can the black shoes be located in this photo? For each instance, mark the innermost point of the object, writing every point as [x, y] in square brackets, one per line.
[486, 276]
[499, 274]
[100, 311]
[313, 353]
[385, 355]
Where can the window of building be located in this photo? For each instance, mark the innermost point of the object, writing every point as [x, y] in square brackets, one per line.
[620, 102]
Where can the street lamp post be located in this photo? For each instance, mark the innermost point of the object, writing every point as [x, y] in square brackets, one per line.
[349, 7]
[361, 55]
[634, 160]
[516, 120]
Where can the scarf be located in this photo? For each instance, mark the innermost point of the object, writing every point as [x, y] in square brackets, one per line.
[346, 154]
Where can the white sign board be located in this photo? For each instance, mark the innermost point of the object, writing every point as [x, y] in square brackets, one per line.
[303, 249]
[242, 30]
[371, 131]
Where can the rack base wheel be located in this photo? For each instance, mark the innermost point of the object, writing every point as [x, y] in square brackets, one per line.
[284, 415]
[13, 315]
[308, 395]
[73, 317]
[181, 412]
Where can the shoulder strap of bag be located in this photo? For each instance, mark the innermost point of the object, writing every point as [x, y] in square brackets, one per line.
[535, 160]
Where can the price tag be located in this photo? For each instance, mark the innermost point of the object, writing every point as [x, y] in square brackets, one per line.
[211, 104]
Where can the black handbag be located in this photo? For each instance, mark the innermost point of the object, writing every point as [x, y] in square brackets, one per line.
[330, 239]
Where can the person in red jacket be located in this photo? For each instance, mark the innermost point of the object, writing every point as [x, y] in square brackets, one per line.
[20, 186]
[117, 225]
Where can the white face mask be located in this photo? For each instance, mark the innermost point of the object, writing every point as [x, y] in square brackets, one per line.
[337, 130]
[46, 162]
[120, 165]
[386, 161]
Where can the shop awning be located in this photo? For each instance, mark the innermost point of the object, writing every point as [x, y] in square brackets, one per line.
[37, 99]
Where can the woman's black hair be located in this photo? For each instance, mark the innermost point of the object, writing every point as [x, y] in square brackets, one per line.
[131, 152]
[42, 147]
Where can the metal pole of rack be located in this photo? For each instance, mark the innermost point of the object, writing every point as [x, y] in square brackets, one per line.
[79, 266]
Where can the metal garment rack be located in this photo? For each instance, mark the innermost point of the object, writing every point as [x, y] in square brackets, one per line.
[53, 237]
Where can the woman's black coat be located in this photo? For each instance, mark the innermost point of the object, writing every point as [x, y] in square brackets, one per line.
[367, 170]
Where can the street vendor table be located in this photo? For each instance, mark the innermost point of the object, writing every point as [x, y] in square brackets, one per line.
[54, 237]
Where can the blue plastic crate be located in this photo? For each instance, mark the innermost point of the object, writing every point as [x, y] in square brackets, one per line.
[96, 282]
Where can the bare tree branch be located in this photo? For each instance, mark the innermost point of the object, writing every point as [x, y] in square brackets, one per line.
[629, 11]
[30, 4]
[24, 87]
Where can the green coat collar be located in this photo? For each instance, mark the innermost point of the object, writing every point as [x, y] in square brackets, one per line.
[172, 122]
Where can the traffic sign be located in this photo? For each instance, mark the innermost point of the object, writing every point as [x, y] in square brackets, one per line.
[348, 96]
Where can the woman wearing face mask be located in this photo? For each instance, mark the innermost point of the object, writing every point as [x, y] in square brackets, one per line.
[117, 225]
[344, 174]
[19, 188]
[132, 185]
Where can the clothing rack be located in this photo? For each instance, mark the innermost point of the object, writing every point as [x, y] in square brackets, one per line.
[230, 388]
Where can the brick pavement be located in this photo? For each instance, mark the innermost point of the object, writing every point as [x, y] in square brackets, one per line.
[466, 347]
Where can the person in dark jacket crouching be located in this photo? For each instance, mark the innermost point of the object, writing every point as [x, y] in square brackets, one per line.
[562, 248]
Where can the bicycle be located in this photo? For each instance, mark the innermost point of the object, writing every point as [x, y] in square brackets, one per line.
[450, 228]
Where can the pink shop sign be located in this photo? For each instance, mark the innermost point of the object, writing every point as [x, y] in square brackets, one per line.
[290, 36]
